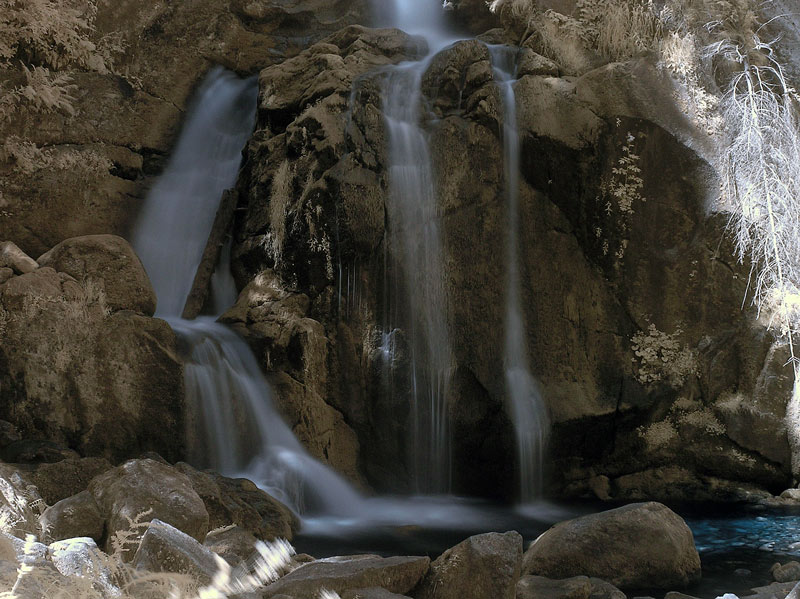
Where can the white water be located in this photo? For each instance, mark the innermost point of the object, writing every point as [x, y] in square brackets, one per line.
[415, 246]
[234, 425]
[236, 428]
[529, 413]
[178, 214]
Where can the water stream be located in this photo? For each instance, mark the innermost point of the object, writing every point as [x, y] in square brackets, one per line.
[417, 302]
[528, 411]
[234, 426]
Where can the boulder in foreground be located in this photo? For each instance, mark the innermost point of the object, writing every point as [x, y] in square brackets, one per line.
[486, 565]
[635, 546]
[144, 490]
[164, 548]
[339, 574]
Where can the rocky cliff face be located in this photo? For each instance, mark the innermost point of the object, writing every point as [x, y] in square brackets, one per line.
[101, 156]
[82, 362]
[632, 298]
[658, 383]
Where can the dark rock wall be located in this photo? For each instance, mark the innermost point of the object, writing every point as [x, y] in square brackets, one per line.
[631, 297]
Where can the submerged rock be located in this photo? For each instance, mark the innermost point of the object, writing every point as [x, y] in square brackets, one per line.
[637, 546]
[776, 590]
[486, 565]
[786, 572]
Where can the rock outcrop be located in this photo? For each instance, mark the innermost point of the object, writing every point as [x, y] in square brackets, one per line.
[109, 264]
[299, 157]
[79, 367]
[94, 162]
[633, 308]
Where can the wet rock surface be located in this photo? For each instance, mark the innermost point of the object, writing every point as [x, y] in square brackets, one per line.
[602, 279]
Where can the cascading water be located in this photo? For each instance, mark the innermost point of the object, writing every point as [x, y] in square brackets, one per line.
[179, 212]
[416, 249]
[528, 410]
[235, 425]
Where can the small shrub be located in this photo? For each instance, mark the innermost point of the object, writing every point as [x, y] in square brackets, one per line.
[662, 357]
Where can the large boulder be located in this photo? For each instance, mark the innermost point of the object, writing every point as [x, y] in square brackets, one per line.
[787, 572]
[641, 545]
[164, 548]
[239, 502]
[140, 491]
[73, 372]
[339, 574]
[486, 565]
[73, 517]
[109, 262]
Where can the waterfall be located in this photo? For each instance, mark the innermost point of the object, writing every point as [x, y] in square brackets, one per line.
[415, 246]
[529, 413]
[234, 425]
[178, 214]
